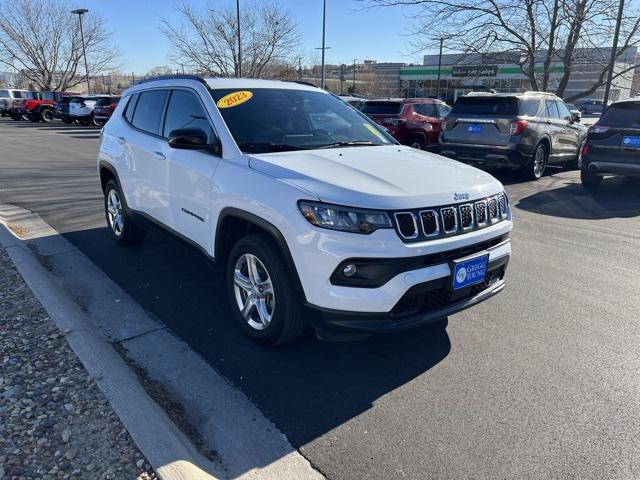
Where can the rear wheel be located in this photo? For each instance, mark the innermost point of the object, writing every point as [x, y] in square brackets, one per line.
[260, 292]
[536, 167]
[122, 226]
[590, 180]
[16, 116]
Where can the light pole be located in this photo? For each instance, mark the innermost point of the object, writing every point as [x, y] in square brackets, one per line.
[324, 23]
[80, 12]
[239, 41]
[614, 52]
[439, 66]
[354, 75]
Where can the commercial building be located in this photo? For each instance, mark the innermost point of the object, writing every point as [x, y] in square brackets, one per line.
[462, 73]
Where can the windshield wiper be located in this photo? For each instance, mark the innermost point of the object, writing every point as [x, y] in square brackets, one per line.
[268, 147]
[354, 143]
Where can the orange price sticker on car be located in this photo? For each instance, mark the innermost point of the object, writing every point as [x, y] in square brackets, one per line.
[234, 99]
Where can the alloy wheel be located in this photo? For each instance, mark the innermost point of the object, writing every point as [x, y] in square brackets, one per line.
[115, 213]
[539, 162]
[253, 291]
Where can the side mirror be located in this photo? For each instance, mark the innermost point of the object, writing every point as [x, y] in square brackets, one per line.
[576, 117]
[192, 139]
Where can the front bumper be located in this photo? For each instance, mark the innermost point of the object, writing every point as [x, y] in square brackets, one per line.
[483, 155]
[425, 303]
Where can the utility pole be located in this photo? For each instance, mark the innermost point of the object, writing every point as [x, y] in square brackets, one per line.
[80, 12]
[239, 41]
[614, 50]
[439, 67]
[354, 75]
[324, 15]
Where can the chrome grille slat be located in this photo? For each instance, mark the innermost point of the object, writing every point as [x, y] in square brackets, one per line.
[466, 216]
[449, 216]
[430, 224]
[481, 213]
[494, 211]
[407, 226]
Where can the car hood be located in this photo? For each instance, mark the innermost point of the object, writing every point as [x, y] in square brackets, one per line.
[385, 177]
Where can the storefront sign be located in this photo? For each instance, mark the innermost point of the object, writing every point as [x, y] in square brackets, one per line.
[474, 71]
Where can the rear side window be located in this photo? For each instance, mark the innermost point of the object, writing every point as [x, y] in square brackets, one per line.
[103, 102]
[4, 93]
[131, 106]
[426, 109]
[530, 107]
[490, 106]
[186, 111]
[148, 113]
[382, 108]
[551, 109]
[625, 114]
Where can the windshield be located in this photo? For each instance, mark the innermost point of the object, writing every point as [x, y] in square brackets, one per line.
[488, 105]
[270, 120]
[382, 108]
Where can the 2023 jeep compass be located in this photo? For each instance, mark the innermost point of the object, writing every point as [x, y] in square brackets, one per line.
[317, 215]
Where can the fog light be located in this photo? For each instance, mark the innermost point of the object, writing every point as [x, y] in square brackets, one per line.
[349, 270]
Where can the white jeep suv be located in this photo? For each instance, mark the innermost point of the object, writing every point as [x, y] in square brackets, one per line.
[315, 213]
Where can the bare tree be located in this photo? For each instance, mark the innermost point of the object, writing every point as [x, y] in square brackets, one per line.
[207, 41]
[534, 32]
[41, 40]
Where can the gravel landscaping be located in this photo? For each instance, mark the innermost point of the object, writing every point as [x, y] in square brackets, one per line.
[54, 421]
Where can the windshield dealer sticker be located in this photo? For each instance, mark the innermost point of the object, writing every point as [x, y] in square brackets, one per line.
[234, 99]
[374, 130]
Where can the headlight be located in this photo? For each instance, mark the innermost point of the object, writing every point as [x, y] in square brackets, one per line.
[345, 219]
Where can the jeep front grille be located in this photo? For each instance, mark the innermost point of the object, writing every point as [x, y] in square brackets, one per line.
[448, 220]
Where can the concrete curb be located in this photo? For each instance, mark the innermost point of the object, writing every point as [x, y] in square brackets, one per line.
[80, 298]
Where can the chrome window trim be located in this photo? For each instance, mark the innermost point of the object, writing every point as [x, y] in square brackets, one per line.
[435, 216]
[415, 225]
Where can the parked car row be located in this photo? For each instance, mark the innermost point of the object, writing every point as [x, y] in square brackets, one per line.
[47, 106]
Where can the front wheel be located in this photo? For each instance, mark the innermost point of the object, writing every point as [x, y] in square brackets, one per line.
[536, 167]
[122, 226]
[417, 143]
[46, 115]
[262, 298]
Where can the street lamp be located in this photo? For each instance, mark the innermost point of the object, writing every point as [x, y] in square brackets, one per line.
[80, 12]
[323, 48]
[439, 67]
[239, 42]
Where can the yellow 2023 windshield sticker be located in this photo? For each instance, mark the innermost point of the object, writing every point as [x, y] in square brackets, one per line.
[234, 99]
[374, 130]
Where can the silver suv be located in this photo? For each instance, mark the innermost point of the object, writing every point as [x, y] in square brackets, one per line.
[526, 131]
[7, 96]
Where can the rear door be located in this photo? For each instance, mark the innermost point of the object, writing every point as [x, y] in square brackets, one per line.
[481, 120]
[148, 154]
[616, 136]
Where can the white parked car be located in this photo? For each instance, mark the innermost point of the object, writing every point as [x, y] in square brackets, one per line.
[81, 109]
[322, 222]
[8, 95]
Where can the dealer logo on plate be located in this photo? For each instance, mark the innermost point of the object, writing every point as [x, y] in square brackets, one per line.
[461, 276]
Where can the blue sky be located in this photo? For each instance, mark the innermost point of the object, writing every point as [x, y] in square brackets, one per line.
[352, 33]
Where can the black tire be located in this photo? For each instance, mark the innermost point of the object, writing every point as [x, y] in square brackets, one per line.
[16, 117]
[576, 163]
[532, 171]
[590, 180]
[286, 323]
[66, 120]
[129, 232]
[417, 143]
[34, 117]
[46, 115]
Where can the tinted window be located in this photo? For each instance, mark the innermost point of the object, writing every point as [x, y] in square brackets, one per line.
[131, 106]
[4, 93]
[382, 108]
[19, 94]
[148, 114]
[48, 96]
[103, 102]
[492, 106]
[186, 111]
[625, 114]
[563, 111]
[426, 109]
[530, 107]
[444, 110]
[551, 110]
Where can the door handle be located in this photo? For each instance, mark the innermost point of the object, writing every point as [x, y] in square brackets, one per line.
[159, 156]
[122, 140]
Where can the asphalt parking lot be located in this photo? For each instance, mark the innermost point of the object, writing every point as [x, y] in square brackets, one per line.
[539, 382]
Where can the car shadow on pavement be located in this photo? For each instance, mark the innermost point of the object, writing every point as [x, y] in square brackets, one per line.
[307, 387]
[616, 197]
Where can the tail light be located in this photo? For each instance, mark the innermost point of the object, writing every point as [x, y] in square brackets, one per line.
[585, 149]
[517, 127]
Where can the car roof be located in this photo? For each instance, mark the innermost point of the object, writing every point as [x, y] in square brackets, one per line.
[406, 100]
[628, 100]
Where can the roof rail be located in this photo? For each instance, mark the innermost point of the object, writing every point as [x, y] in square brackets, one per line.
[173, 77]
[540, 93]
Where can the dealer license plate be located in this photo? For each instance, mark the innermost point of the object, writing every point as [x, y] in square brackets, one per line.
[470, 271]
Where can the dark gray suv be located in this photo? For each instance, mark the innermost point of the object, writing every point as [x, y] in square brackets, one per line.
[526, 131]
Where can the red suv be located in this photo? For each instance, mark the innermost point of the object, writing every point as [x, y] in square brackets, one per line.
[416, 122]
[104, 108]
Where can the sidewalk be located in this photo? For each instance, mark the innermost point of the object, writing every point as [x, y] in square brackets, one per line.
[54, 421]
